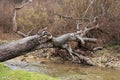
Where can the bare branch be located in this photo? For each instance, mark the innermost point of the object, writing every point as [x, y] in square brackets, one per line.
[23, 5]
[81, 39]
[30, 31]
[91, 2]
[15, 27]
[90, 40]
[78, 27]
[21, 34]
[72, 18]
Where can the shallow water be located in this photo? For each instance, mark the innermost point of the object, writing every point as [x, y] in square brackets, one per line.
[67, 71]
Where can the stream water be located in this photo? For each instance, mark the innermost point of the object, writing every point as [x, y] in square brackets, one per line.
[67, 71]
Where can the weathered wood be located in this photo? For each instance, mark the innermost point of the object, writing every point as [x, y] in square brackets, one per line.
[44, 39]
[22, 46]
[62, 42]
[15, 27]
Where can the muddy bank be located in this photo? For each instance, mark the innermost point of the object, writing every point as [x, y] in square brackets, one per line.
[107, 61]
[66, 70]
[107, 57]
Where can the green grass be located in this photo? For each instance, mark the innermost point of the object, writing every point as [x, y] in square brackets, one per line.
[8, 74]
[114, 46]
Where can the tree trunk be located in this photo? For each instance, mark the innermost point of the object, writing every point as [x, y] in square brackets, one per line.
[22, 46]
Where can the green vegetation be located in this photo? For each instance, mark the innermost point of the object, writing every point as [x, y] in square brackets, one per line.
[114, 47]
[3, 41]
[8, 74]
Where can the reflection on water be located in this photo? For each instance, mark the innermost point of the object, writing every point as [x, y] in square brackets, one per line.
[67, 71]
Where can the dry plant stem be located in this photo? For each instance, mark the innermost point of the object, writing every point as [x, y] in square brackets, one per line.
[91, 2]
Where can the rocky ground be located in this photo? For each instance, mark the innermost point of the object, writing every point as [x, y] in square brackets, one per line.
[107, 58]
[104, 58]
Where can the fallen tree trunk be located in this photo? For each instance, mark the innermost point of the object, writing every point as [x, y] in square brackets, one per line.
[22, 46]
[44, 39]
[62, 42]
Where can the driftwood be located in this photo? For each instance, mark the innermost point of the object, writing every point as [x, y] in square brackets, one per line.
[44, 39]
[62, 42]
[22, 46]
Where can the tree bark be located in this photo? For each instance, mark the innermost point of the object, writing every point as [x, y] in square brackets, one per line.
[44, 39]
[22, 46]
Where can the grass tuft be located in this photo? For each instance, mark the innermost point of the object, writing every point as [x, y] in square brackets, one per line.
[8, 74]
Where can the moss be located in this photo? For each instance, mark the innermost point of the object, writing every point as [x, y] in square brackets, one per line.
[8, 74]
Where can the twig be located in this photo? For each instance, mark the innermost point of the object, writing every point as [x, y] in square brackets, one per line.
[70, 17]
[88, 8]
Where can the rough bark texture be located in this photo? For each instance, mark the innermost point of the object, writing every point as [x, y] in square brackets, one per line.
[44, 39]
[22, 46]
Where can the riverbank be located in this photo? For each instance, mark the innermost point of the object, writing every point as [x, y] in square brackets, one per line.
[66, 70]
[108, 57]
[7, 74]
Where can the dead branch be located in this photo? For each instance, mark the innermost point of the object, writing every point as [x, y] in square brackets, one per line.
[72, 18]
[15, 27]
[44, 39]
[91, 2]
[62, 42]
